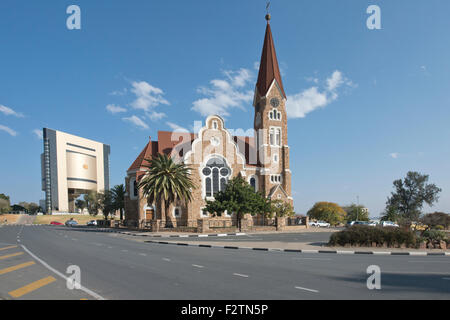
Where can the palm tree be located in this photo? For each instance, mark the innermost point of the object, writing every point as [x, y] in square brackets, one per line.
[118, 194]
[166, 181]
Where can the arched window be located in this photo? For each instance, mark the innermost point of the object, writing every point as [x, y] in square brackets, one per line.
[216, 174]
[253, 183]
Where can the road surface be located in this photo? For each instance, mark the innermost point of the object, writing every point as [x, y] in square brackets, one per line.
[115, 267]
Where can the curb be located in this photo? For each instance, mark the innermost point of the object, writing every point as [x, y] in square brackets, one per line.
[178, 236]
[385, 253]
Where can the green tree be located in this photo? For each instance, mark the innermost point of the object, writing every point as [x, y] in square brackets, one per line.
[356, 213]
[238, 197]
[118, 194]
[282, 209]
[80, 204]
[390, 214]
[327, 211]
[436, 219]
[106, 203]
[5, 204]
[92, 200]
[166, 181]
[411, 194]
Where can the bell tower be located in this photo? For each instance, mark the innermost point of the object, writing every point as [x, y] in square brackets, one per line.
[270, 124]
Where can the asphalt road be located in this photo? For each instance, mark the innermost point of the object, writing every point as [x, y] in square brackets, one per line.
[113, 267]
[309, 237]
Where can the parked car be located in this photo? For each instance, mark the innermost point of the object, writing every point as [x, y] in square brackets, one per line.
[372, 223]
[319, 224]
[71, 223]
[56, 223]
[389, 224]
[353, 223]
[92, 223]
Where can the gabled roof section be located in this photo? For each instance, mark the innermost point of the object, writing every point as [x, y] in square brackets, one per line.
[268, 68]
[274, 189]
[147, 153]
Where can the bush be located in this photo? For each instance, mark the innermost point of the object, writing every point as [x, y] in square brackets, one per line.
[366, 235]
[434, 235]
[439, 227]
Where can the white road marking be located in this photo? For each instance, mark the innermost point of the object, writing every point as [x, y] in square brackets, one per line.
[197, 266]
[323, 259]
[306, 289]
[143, 254]
[381, 253]
[345, 252]
[240, 275]
[90, 292]
[427, 261]
[418, 253]
[166, 259]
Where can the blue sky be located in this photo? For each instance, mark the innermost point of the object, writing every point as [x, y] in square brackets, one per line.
[365, 106]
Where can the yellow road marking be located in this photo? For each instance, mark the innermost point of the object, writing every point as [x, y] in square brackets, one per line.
[11, 255]
[19, 266]
[6, 248]
[31, 287]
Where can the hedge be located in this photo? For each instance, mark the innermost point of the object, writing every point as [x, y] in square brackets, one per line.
[366, 235]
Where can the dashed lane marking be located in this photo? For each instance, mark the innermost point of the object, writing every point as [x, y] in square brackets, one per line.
[306, 289]
[240, 275]
[31, 287]
[197, 266]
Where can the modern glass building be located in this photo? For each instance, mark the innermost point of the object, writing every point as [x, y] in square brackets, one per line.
[71, 166]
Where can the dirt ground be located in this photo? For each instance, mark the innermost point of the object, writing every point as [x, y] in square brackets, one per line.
[11, 218]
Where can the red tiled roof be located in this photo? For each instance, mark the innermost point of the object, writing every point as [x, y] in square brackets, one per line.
[146, 153]
[165, 145]
[268, 68]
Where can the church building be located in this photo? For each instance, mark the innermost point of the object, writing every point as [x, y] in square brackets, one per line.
[214, 155]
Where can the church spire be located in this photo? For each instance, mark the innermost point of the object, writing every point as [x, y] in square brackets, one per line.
[268, 68]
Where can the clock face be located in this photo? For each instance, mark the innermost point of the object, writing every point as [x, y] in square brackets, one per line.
[274, 102]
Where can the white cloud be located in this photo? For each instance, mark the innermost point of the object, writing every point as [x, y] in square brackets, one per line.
[112, 108]
[394, 155]
[38, 133]
[10, 112]
[136, 121]
[176, 127]
[147, 96]
[155, 116]
[300, 104]
[224, 94]
[8, 130]
[122, 92]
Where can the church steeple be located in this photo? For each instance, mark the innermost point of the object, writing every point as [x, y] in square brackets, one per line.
[268, 68]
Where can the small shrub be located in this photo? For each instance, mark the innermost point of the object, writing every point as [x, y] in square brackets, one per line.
[366, 235]
[434, 235]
